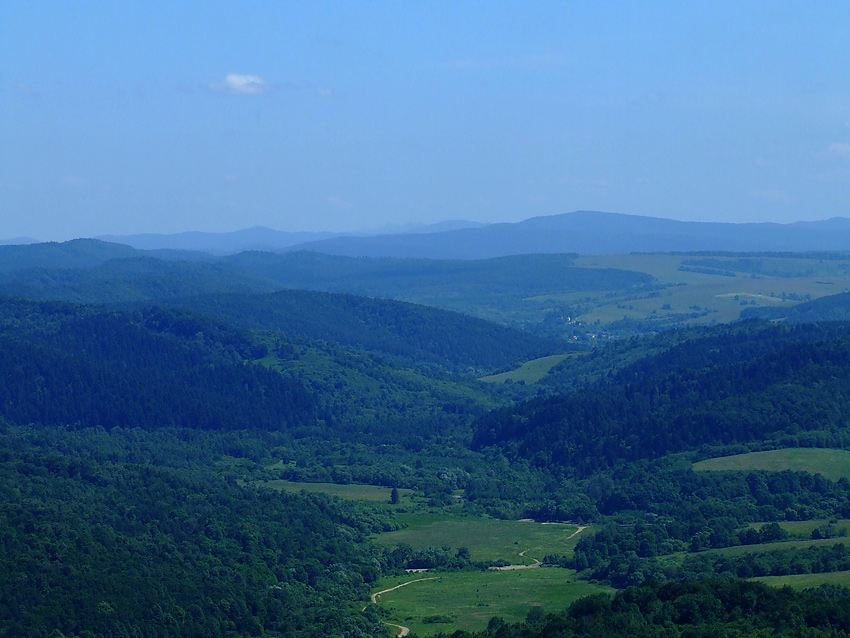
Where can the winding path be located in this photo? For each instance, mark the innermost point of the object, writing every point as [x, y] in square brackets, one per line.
[410, 582]
[403, 631]
[537, 563]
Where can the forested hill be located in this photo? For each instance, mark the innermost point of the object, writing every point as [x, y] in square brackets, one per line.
[129, 279]
[830, 308]
[417, 333]
[800, 387]
[67, 364]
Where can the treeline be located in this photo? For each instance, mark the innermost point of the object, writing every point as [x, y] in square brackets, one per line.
[816, 559]
[720, 609]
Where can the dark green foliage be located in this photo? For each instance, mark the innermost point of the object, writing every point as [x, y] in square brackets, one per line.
[416, 333]
[64, 364]
[796, 388]
[726, 609]
[831, 308]
[130, 279]
[135, 534]
[810, 560]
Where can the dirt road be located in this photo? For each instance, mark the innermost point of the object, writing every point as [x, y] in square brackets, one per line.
[410, 582]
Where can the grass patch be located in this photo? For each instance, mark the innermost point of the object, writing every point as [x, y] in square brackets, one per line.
[804, 529]
[832, 464]
[487, 539]
[739, 550]
[469, 599]
[352, 492]
[530, 371]
[805, 581]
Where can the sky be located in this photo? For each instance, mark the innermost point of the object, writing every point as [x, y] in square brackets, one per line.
[136, 117]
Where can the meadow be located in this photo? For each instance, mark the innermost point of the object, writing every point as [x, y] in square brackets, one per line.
[686, 297]
[487, 539]
[806, 581]
[739, 550]
[832, 464]
[530, 371]
[468, 599]
[352, 492]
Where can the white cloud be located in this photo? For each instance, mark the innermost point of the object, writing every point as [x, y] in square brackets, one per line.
[238, 84]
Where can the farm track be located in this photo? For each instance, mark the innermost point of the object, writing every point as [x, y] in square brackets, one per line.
[403, 631]
[537, 563]
[374, 596]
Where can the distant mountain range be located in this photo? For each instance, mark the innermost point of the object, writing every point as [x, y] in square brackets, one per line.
[587, 232]
[582, 232]
[265, 239]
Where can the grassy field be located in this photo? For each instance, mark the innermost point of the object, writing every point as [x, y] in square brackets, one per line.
[739, 550]
[804, 529]
[832, 464]
[486, 538]
[530, 371]
[374, 493]
[804, 581]
[695, 297]
[469, 599]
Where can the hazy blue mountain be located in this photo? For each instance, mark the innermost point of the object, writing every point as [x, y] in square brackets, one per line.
[587, 232]
[78, 253]
[82, 253]
[257, 238]
[265, 239]
[18, 241]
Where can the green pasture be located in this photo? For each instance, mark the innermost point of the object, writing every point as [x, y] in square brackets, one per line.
[352, 492]
[487, 539]
[804, 529]
[530, 371]
[805, 581]
[469, 599]
[709, 297]
[740, 550]
[832, 464]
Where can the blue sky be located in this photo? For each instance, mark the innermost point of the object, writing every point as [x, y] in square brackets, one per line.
[128, 117]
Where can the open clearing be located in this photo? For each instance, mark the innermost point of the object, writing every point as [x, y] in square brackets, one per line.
[739, 550]
[353, 492]
[832, 464]
[698, 297]
[530, 371]
[804, 529]
[804, 581]
[467, 600]
[487, 539]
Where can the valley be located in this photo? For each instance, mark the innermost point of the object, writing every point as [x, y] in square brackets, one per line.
[258, 444]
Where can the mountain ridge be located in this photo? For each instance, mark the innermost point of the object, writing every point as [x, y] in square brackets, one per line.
[593, 232]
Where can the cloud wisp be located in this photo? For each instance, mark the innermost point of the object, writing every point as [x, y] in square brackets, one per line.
[239, 84]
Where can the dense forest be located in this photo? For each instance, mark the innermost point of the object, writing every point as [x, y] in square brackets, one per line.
[141, 429]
